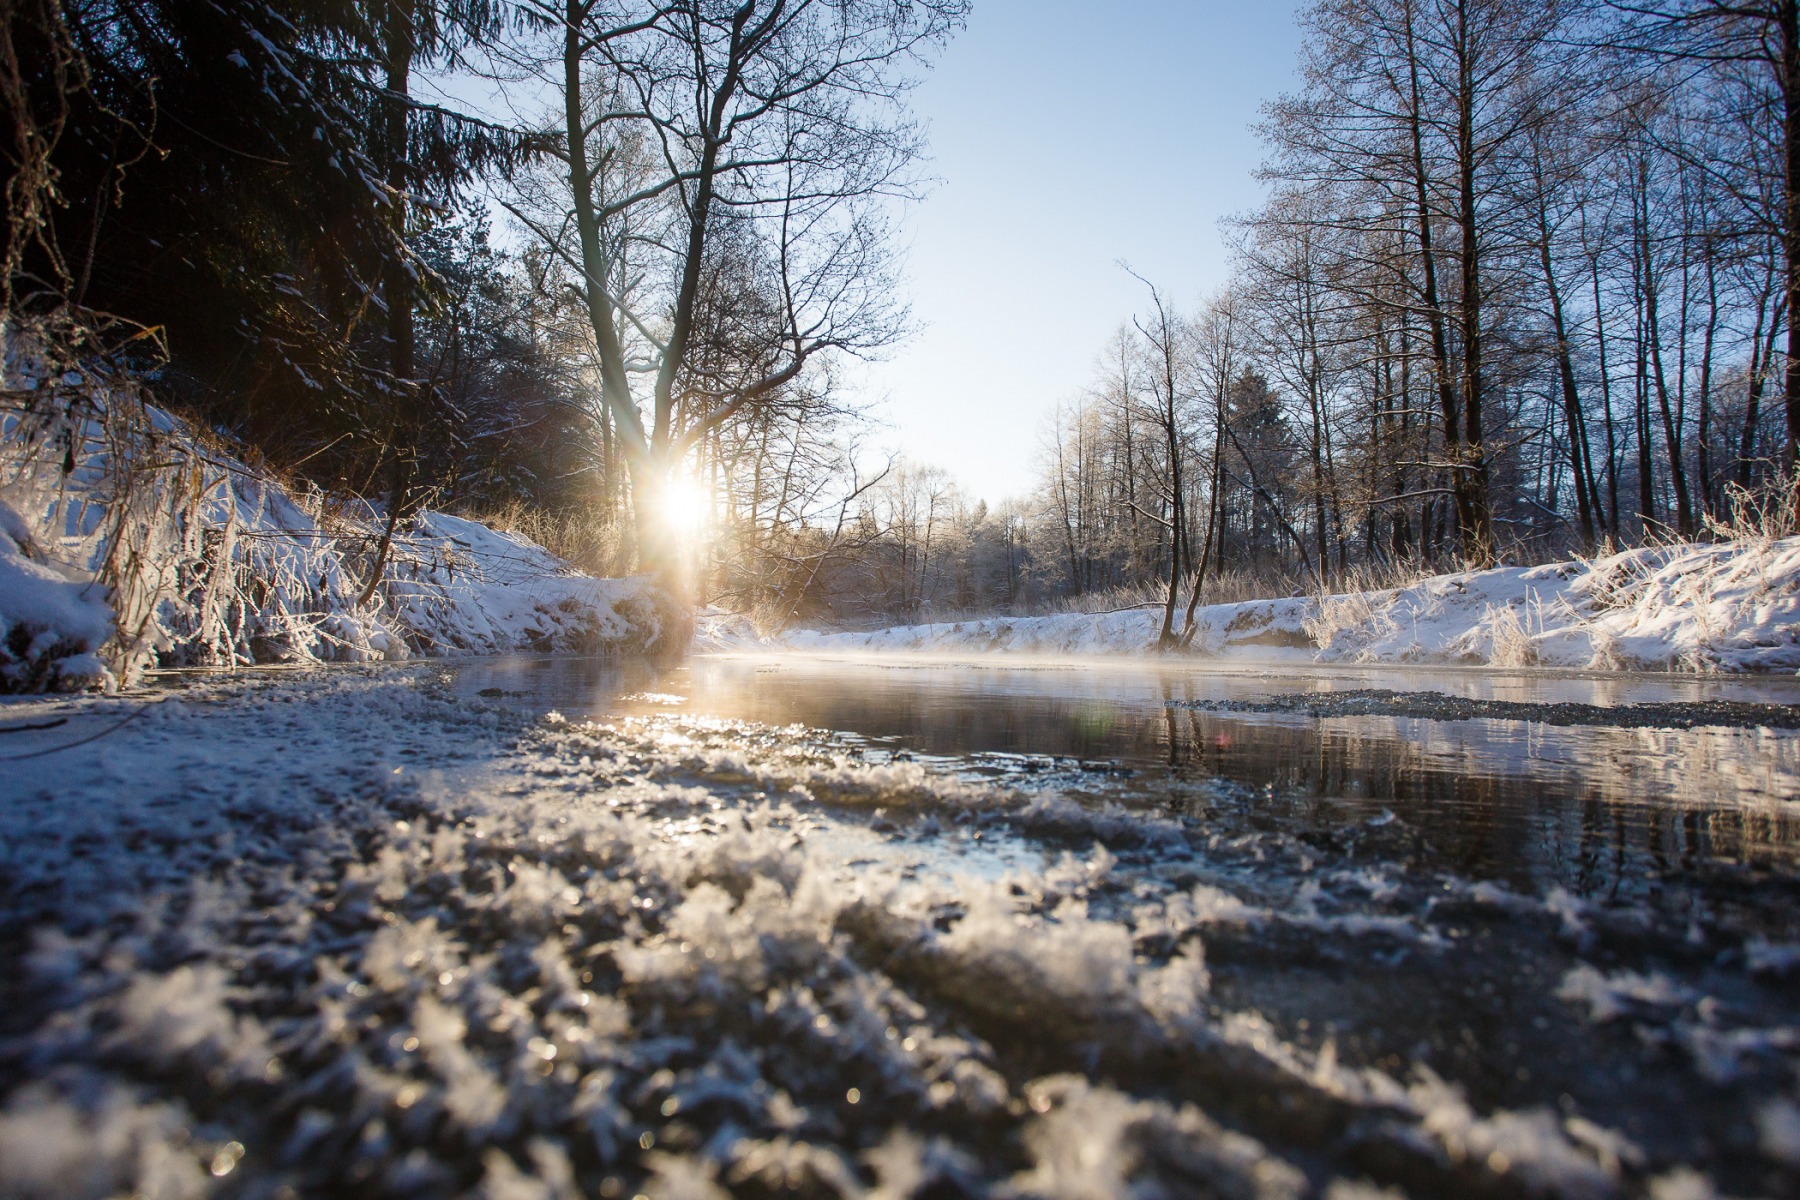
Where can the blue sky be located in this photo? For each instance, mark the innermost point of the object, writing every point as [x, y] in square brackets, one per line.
[1066, 136]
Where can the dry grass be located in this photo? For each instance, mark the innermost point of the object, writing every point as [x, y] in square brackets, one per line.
[1348, 612]
[1352, 604]
[1510, 641]
[1761, 514]
[1147, 594]
[1227, 587]
[585, 538]
[1236, 586]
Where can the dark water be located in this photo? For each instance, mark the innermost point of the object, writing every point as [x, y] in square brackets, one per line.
[1598, 810]
[1436, 891]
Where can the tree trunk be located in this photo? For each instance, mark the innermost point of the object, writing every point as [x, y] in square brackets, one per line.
[1709, 499]
[1684, 512]
[1606, 407]
[397, 284]
[1789, 11]
[1474, 500]
[1434, 312]
[1586, 500]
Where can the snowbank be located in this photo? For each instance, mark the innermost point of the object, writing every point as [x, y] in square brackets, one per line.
[1731, 606]
[51, 626]
[128, 539]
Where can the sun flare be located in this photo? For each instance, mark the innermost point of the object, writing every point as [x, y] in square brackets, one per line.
[685, 506]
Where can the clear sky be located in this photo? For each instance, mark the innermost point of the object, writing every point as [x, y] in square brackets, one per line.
[1066, 136]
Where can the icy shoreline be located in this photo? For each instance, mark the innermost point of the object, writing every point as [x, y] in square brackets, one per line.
[338, 931]
[1705, 607]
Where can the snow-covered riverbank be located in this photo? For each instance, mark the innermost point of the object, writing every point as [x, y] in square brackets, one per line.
[1731, 606]
[339, 932]
[128, 539]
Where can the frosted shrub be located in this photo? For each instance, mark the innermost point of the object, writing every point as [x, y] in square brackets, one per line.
[131, 538]
[1503, 635]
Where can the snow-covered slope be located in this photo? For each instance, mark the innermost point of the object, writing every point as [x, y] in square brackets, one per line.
[1730, 606]
[51, 625]
[127, 539]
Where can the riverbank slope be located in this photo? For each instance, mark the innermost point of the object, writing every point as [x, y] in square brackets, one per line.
[131, 539]
[1707, 607]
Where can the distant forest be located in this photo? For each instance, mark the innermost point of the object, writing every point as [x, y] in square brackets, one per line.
[1521, 286]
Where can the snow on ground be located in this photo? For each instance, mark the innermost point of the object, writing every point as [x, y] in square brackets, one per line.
[1732, 606]
[129, 540]
[337, 933]
[52, 626]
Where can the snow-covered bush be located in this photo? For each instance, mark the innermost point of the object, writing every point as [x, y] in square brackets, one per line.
[129, 539]
[51, 627]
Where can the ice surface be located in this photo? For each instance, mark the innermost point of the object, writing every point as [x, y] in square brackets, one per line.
[342, 932]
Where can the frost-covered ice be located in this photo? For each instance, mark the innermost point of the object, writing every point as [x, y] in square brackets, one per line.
[1731, 606]
[342, 933]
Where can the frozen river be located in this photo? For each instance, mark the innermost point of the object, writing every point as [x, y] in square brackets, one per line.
[547, 927]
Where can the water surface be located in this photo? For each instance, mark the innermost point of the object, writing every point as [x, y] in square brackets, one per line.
[1591, 808]
[1593, 922]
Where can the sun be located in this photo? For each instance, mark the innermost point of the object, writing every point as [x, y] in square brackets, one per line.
[685, 506]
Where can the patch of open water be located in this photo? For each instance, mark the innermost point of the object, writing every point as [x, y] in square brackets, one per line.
[1593, 920]
[1590, 808]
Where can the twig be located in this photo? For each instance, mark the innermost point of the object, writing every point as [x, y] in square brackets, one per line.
[27, 728]
[92, 737]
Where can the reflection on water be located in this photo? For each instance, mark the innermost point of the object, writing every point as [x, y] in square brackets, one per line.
[1591, 923]
[1602, 811]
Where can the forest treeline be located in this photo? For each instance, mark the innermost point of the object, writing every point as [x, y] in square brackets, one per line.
[1520, 288]
[1521, 285]
[279, 216]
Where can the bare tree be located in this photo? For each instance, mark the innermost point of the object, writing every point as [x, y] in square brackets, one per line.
[1166, 353]
[722, 168]
[1217, 352]
[1765, 33]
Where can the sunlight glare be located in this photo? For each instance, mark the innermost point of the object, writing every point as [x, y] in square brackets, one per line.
[686, 504]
